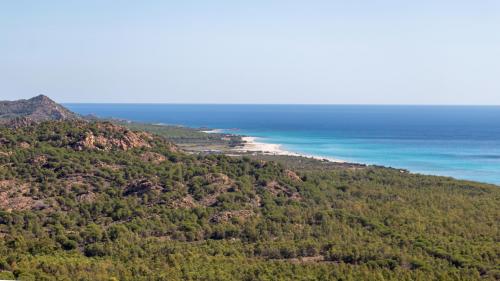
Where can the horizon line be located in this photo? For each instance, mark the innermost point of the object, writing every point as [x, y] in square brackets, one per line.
[287, 104]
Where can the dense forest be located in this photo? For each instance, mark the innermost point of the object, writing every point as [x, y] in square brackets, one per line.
[96, 201]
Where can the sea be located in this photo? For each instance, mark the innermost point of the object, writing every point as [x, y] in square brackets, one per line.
[458, 141]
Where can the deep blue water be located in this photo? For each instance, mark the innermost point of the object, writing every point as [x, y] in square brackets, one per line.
[457, 141]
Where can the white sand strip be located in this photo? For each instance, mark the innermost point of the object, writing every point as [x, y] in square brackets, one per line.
[252, 144]
[214, 131]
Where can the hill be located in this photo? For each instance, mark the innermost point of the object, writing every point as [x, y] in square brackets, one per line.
[37, 109]
[97, 201]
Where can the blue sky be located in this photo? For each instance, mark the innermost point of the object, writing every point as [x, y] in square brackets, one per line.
[259, 51]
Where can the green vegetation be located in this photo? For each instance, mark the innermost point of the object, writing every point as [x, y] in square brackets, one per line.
[93, 201]
[188, 138]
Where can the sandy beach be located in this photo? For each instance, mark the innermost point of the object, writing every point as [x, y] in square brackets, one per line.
[252, 144]
[213, 131]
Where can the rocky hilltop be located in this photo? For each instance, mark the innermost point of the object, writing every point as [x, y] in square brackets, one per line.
[35, 110]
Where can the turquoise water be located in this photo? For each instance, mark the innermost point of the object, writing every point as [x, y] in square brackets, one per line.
[457, 141]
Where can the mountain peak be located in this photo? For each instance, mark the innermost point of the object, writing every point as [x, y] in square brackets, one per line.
[37, 109]
[42, 98]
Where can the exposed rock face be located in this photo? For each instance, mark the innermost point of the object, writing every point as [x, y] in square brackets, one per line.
[292, 175]
[39, 160]
[186, 202]
[142, 186]
[88, 197]
[17, 122]
[14, 197]
[34, 110]
[153, 157]
[217, 178]
[24, 145]
[277, 189]
[110, 137]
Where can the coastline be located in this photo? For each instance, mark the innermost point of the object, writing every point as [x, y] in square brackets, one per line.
[234, 144]
[213, 131]
[253, 145]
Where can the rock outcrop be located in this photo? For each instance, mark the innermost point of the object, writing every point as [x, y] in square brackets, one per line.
[153, 157]
[14, 196]
[109, 136]
[35, 110]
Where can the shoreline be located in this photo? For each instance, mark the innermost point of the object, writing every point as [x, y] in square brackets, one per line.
[252, 145]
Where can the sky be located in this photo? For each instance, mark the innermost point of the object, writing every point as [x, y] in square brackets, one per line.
[258, 51]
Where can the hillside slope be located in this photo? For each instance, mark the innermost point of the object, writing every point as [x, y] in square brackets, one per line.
[37, 109]
[94, 201]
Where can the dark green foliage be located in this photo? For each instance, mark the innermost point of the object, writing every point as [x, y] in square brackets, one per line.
[97, 214]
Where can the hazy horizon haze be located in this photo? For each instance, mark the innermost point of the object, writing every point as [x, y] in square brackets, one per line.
[261, 52]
